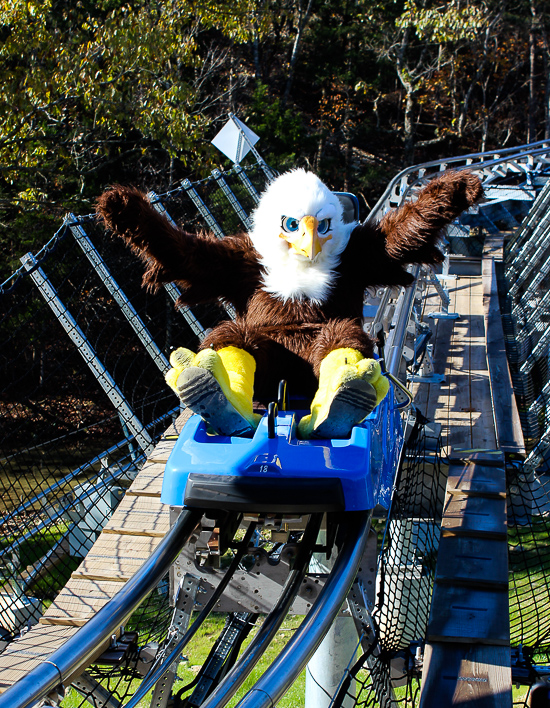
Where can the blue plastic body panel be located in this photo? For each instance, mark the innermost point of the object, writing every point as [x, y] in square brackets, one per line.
[364, 464]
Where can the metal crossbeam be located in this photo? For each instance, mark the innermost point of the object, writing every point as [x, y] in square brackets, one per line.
[181, 617]
[87, 352]
[118, 295]
[241, 174]
[231, 197]
[203, 210]
[172, 290]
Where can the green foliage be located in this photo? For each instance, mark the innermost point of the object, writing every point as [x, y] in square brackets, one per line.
[281, 129]
[444, 23]
[104, 91]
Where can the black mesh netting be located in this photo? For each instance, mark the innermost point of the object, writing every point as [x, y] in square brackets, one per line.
[529, 565]
[388, 672]
[83, 398]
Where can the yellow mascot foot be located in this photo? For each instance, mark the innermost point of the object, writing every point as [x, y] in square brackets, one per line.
[217, 386]
[350, 387]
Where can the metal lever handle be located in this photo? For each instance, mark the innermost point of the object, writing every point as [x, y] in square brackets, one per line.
[272, 412]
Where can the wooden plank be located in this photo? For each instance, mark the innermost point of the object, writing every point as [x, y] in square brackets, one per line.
[471, 412]
[460, 423]
[471, 515]
[480, 562]
[463, 402]
[426, 396]
[476, 479]
[141, 516]
[494, 458]
[162, 451]
[482, 421]
[149, 480]
[24, 654]
[79, 600]
[116, 557]
[465, 615]
[477, 675]
[507, 422]
[176, 426]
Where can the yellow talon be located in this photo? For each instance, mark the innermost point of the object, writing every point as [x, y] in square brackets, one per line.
[350, 387]
[232, 368]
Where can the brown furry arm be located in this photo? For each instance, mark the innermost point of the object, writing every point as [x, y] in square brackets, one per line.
[413, 229]
[207, 268]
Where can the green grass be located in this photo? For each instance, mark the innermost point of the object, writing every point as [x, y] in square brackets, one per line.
[197, 651]
[48, 585]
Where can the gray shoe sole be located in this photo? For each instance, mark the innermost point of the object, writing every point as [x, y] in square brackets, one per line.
[200, 392]
[351, 404]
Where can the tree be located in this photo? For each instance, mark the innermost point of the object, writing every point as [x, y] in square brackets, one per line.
[98, 92]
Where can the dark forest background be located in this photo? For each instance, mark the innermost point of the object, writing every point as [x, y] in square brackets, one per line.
[101, 91]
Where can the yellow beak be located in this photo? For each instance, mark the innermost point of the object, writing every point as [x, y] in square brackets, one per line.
[306, 240]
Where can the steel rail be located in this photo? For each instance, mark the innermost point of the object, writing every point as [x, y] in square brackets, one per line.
[156, 672]
[79, 651]
[253, 653]
[393, 350]
[529, 150]
[285, 669]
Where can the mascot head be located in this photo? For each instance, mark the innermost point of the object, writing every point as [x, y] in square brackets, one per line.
[299, 232]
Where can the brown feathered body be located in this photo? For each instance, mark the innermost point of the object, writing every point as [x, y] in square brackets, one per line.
[288, 338]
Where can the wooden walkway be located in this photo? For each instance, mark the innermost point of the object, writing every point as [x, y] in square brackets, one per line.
[127, 540]
[462, 403]
[467, 655]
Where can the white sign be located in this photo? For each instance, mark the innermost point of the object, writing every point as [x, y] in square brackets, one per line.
[235, 139]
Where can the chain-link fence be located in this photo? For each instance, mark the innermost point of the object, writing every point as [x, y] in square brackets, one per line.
[526, 307]
[525, 304]
[84, 348]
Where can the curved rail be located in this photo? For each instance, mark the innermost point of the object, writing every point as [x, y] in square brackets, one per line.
[79, 650]
[284, 670]
[400, 185]
[236, 677]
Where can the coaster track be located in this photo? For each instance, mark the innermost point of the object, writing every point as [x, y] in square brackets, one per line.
[79, 651]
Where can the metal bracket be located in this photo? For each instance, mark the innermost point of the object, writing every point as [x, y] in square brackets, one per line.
[444, 315]
[362, 595]
[256, 586]
[185, 601]
[87, 686]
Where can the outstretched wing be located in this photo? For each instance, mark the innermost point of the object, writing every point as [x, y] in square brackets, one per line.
[205, 267]
[377, 254]
[413, 230]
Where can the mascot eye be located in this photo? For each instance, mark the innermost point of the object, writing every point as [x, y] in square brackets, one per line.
[324, 226]
[290, 224]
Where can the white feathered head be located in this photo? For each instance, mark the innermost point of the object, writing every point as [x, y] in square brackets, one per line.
[299, 232]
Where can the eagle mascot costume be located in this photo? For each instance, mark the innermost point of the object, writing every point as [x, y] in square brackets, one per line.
[296, 282]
